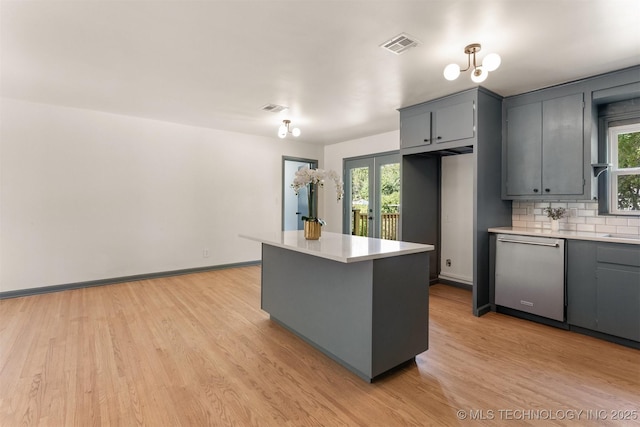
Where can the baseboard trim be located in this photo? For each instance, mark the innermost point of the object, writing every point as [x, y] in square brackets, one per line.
[482, 310]
[600, 335]
[454, 283]
[456, 278]
[91, 283]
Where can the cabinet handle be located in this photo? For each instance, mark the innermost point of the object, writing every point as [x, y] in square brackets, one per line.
[535, 190]
[426, 140]
[546, 190]
[439, 137]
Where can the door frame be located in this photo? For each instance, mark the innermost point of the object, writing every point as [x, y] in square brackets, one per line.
[286, 186]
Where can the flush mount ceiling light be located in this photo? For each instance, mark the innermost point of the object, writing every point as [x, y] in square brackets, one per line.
[479, 72]
[285, 128]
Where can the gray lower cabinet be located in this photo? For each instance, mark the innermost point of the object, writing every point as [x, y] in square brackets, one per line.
[438, 122]
[544, 147]
[370, 316]
[581, 284]
[618, 301]
[603, 287]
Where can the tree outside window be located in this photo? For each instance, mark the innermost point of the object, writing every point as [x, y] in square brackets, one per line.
[625, 171]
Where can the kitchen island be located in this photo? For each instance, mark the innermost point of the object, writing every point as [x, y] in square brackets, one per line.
[363, 302]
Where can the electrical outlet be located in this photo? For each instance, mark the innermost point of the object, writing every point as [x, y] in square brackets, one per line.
[573, 212]
[205, 253]
[448, 263]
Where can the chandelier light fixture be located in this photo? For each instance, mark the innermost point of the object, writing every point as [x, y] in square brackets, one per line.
[479, 72]
[285, 128]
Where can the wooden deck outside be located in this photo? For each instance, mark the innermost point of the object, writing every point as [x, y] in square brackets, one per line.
[390, 225]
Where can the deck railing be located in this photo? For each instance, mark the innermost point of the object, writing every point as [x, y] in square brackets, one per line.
[390, 225]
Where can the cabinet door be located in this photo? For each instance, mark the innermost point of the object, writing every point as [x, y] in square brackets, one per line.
[524, 149]
[581, 284]
[619, 301]
[415, 128]
[562, 145]
[454, 123]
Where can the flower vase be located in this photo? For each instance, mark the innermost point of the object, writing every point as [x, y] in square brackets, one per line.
[555, 225]
[312, 230]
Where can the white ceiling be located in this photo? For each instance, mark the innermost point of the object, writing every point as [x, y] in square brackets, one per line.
[216, 63]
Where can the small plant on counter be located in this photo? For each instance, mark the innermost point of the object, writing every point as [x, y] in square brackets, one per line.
[555, 213]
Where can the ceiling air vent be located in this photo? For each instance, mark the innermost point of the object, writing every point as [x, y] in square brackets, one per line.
[274, 108]
[400, 43]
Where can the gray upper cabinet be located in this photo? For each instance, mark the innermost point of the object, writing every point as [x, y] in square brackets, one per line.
[454, 123]
[550, 137]
[544, 148]
[415, 128]
[563, 145]
[524, 149]
[449, 121]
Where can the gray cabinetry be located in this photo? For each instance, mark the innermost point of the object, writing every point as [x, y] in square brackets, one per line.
[415, 128]
[581, 284]
[603, 288]
[472, 119]
[550, 137]
[544, 147]
[370, 316]
[454, 123]
[524, 149]
[437, 122]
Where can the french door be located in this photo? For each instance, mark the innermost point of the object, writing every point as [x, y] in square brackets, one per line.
[372, 196]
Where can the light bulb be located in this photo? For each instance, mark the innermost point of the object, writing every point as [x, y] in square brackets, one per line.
[282, 131]
[295, 132]
[491, 62]
[451, 71]
[479, 74]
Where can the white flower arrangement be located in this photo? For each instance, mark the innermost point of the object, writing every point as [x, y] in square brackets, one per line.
[311, 179]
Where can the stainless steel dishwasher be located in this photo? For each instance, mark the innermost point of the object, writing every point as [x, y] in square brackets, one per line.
[530, 275]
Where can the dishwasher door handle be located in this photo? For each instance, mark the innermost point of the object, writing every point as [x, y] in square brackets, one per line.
[525, 242]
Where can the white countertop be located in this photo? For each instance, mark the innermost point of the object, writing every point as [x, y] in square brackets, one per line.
[339, 247]
[567, 234]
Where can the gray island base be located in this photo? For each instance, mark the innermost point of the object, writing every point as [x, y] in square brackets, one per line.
[363, 302]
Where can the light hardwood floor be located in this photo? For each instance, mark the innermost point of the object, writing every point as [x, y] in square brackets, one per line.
[196, 350]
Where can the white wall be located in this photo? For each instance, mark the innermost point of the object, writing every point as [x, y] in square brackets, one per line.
[333, 160]
[456, 210]
[86, 195]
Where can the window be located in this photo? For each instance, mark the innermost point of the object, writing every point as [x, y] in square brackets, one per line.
[624, 178]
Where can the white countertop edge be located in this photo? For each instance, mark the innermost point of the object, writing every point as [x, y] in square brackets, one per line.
[564, 234]
[315, 247]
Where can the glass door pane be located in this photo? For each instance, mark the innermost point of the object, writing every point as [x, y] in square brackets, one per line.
[358, 197]
[387, 217]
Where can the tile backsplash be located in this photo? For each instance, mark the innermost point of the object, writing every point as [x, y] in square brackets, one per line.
[582, 216]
